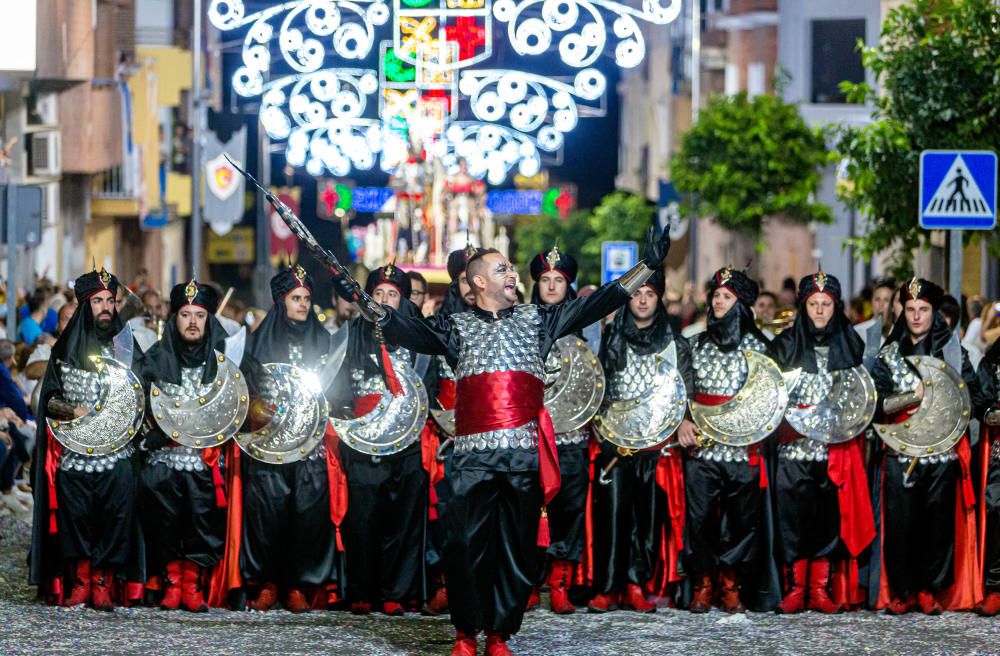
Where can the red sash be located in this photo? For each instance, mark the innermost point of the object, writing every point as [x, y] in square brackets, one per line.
[508, 399]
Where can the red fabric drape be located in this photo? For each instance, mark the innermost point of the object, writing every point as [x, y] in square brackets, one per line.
[337, 480]
[227, 576]
[52, 456]
[391, 381]
[846, 469]
[670, 478]
[210, 457]
[446, 393]
[507, 399]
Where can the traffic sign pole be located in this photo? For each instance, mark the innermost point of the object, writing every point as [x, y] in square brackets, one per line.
[10, 207]
[955, 265]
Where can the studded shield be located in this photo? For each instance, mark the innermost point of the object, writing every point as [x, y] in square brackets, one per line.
[843, 413]
[647, 419]
[942, 417]
[113, 420]
[756, 409]
[300, 416]
[206, 416]
[574, 384]
[394, 423]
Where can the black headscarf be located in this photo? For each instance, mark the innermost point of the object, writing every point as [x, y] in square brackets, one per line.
[82, 337]
[921, 290]
[727, 331]
[458, 261]
[796, 347]
[269, 343]
[553, 260]
[194, 293]
[623, 332]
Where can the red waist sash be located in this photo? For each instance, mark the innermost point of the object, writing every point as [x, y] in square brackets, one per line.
[509, 399]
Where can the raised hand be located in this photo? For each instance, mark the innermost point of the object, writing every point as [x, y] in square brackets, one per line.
[656, 249]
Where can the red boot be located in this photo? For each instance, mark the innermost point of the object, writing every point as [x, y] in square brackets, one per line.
[360, 608]
[100, 588]
[81, 585]
[900, 606]
[819, 583]
[701, 598]
[465, 644]
[438, 604]
[267, 597]
[729, 600]
[393, 609]
[795, 600]
[602, 603]
[990, 605]
[295, 601]
[635, 599]
[172, 597]
[559, 582]
[191, 595]
[928, 603]
[496, 644]
[534, 601]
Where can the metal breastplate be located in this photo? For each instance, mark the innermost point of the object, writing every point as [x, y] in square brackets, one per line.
[803, 449]
[814, 387]
[578, 436]
[296, 357]
[82, 388]
[180, 458]
[904, 379]
[722, 374]
[636, 376]
[363, 384]
[508, 344]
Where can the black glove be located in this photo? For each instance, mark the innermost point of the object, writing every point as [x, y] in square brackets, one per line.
[345, 288]
[656, 249]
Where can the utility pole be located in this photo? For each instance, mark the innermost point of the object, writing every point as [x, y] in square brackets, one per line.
[198, 124]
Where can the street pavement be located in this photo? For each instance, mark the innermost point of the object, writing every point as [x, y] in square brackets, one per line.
[28, 627]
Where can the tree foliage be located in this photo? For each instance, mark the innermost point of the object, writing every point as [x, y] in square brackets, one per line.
[749, 159]
[938, 65]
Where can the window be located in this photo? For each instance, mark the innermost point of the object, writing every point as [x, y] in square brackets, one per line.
[835, 57]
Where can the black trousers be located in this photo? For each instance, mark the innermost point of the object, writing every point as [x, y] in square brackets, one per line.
[808, 510]
[288, 536]
[919, 527]
[991, 497]
[95, 514]
[491, 557]
[384, 530]
[723, 514]
[180, 518]
[567, 511]
[628, 514]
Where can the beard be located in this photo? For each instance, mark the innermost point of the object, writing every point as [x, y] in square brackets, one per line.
[192, 342]
[103, 322]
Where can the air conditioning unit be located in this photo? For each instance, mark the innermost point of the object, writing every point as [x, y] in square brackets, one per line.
[46, 158]
[47, 109]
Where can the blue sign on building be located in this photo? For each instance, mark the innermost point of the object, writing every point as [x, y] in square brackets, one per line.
[958, 190]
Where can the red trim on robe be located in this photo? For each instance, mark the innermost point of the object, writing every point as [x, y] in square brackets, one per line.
[515, 398]
[54, 453]
[670, 478]
[446, 393]
[226, 575]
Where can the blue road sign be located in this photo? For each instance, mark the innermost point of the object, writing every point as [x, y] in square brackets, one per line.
[617, 257]
[958, 190]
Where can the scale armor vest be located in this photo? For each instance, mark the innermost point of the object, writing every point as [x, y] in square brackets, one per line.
[812, 388]
[722, 374]
[508, 344]
[82, 388]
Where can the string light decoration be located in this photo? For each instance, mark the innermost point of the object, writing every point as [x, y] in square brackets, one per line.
[297, 59]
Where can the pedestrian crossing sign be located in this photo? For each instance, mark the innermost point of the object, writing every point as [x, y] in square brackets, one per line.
[958, 190]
